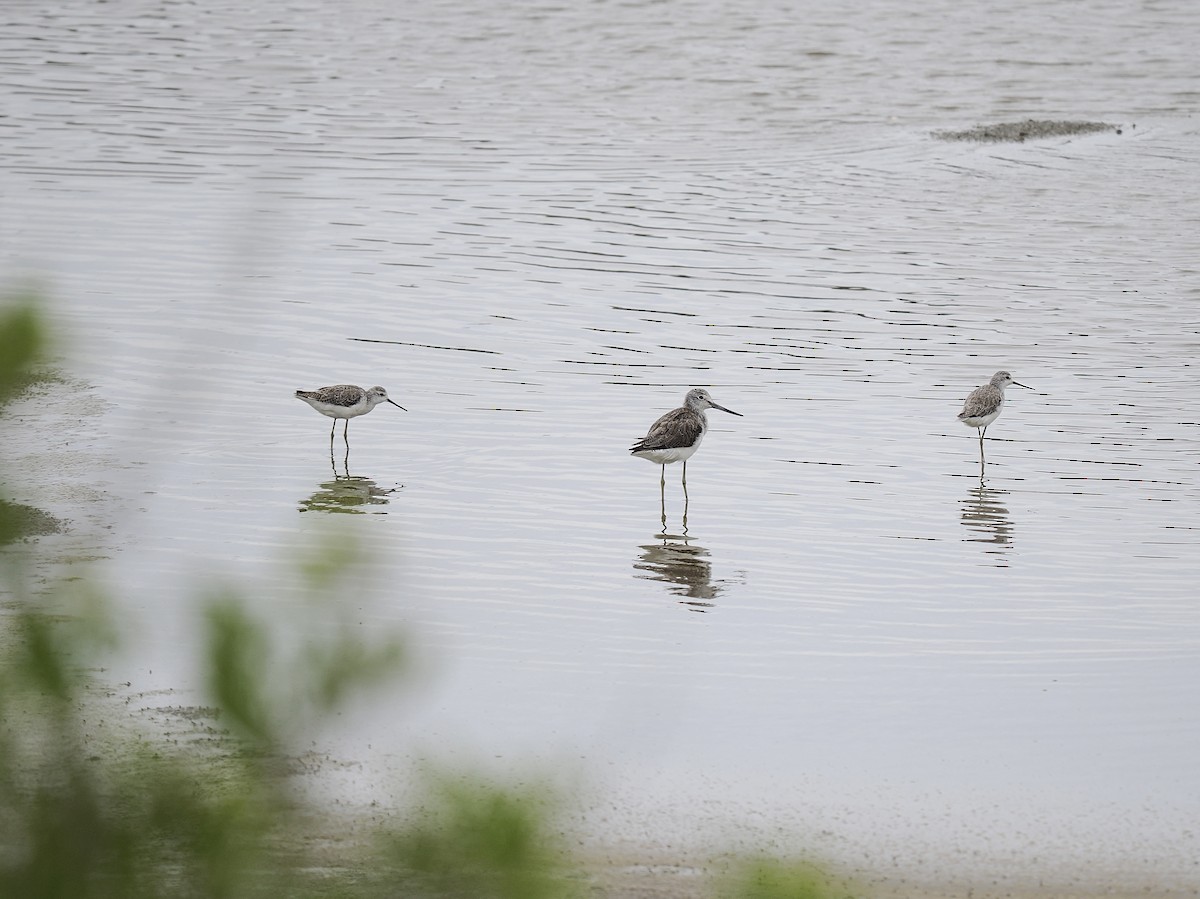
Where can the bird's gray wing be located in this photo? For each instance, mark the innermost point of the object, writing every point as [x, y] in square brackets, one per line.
[679, 427]
[981, 401]
[341, 394]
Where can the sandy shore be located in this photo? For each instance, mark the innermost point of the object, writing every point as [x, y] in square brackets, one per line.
[664, 882]
[660, 878]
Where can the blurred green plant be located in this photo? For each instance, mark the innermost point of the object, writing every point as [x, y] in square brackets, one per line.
[134, 817]
[138, 817]
[22, 345]
[770, 878]
[21, 349]
[479, 840]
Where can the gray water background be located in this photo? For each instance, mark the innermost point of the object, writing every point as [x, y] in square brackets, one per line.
[538, 225]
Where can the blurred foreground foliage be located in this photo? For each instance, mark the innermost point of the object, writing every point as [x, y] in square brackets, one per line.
[134, 816]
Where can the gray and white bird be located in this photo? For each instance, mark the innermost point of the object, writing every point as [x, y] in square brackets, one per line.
[676, 436]
[344, 401]
[983, 404]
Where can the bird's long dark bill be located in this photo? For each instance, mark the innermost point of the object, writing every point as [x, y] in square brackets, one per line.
[730, 411]
[397, 405]
[1019, 384]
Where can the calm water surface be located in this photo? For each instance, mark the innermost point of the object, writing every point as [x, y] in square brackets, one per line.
[537, 226]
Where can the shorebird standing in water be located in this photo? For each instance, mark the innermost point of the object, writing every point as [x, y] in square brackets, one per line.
[344, 401]
[983, 404]
[677, 435]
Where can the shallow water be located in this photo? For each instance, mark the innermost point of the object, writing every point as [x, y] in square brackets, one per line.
[538, 226]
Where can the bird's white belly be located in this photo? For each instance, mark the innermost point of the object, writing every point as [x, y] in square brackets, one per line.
[981, 421]
[667, 456]
[333, 411]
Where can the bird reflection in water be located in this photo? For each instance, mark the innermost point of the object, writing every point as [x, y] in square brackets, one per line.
[986, 516]
[684, 567]
[662, 512]
[346, 493]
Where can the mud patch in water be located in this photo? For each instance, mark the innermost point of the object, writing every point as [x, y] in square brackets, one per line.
[1030, 129]
[20, 522]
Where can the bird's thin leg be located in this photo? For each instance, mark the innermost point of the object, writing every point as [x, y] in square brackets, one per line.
[981, 451]
[346, 434]
[685, 475]
[332, 431]
[662, 498]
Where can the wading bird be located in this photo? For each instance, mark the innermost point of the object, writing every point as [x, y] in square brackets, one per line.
[677, 435]
[344, 401]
